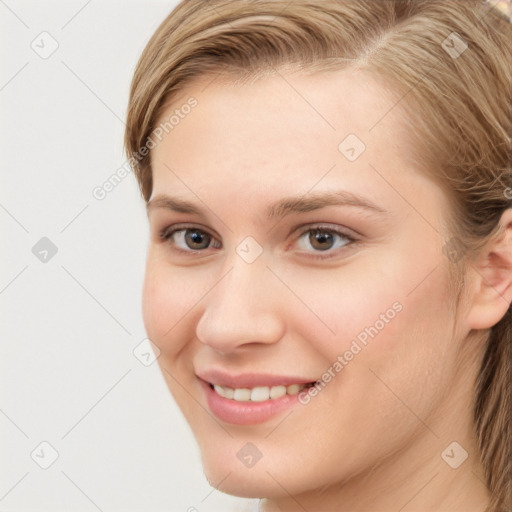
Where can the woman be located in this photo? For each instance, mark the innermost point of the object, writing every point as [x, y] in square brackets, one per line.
[329, 273]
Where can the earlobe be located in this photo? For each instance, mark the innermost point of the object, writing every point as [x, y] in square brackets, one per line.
[493, 279]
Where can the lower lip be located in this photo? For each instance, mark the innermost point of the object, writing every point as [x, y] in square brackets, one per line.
[245, 413]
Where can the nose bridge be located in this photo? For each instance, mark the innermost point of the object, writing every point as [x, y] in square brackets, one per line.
[241, 287]
[241, 308]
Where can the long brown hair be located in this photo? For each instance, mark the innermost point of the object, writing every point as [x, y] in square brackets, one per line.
[448, 61]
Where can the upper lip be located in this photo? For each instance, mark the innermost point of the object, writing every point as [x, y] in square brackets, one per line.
[249, 380]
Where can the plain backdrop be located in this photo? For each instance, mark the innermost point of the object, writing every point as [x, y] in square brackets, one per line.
[84, 424]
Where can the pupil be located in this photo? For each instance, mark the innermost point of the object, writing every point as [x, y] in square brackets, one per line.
[320, 237]
[195, 237]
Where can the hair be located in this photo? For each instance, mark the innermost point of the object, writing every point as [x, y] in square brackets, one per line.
[459, 105]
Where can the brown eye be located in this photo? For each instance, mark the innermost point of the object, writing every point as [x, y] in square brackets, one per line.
[321, 240]
[188, 239]
[196, 239]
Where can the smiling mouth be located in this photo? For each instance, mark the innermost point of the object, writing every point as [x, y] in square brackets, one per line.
[259, 393]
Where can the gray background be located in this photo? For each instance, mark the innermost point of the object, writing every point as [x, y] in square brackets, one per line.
[71, 320]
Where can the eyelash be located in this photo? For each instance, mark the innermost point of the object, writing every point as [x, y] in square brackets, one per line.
[166, 234]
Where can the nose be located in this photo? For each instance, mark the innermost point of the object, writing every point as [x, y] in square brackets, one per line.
[242, 308]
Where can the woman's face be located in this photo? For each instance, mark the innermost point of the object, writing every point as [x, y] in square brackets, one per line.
[284, 252]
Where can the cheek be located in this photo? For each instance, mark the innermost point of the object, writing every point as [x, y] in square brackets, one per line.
[409, 359]
[389, 319]
[167, 298]
[392, 346]
[360, 302]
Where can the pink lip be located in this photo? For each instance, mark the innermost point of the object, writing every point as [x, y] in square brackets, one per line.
[245, 413]
[249, 380]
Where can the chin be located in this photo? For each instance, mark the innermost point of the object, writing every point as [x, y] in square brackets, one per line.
[226, 473]
[243, 483]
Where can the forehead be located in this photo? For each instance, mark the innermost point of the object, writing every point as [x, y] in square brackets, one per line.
[282, 131]
[295, 106]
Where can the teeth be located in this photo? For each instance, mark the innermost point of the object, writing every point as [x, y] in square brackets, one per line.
[293, 389]
[242, 395]
[259, 393]
[277, 391]
[228, 393]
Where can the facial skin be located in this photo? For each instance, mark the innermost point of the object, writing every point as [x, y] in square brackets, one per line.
[372, 438]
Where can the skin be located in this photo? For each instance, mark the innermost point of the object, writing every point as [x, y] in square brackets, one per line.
[372, 438]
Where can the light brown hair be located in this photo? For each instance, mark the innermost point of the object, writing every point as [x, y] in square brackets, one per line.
[460, 106]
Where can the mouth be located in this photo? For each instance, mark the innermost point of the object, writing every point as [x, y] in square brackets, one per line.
[250, 399]
[258, 393]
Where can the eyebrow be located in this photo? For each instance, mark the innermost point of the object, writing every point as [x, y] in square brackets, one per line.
[282, 208]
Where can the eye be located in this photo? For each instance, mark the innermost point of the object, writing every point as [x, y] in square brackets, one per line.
[324, 239]
[317, 239]
[187, 239]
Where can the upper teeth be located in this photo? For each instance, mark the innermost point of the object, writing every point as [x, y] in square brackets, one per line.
[258, 394]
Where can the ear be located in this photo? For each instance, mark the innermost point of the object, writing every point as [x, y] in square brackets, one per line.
[492, 274]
